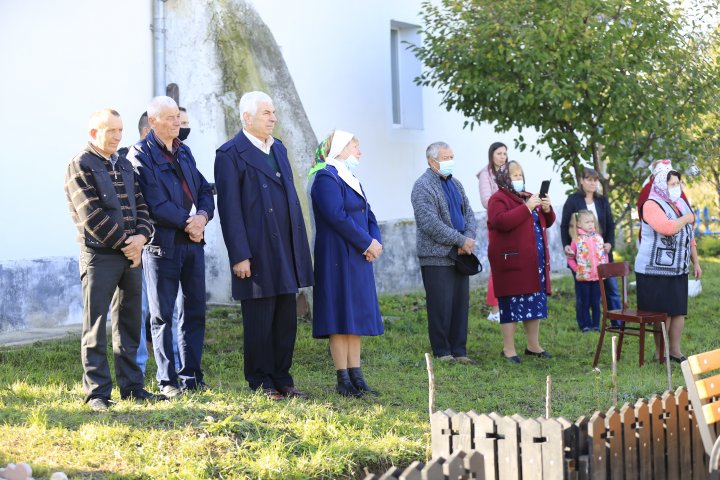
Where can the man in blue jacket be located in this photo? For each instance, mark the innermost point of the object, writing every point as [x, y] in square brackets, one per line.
[181, 203]
[264, 231]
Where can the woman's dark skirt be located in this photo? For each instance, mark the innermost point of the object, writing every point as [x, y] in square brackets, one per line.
[657, 293]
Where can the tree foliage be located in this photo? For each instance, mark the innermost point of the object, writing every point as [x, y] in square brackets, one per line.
[611, 84]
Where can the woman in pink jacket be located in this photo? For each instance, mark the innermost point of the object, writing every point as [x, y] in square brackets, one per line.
[497, 156]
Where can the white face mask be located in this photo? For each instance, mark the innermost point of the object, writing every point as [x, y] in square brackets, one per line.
[518, 185]
[675, 192]
[352, 162]
[446, 168]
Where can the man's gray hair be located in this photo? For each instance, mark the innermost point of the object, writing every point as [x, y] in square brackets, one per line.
[434, 149]
[157, 104]
[249, 103]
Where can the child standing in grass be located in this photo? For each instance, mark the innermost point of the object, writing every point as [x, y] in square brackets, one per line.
[589, 253]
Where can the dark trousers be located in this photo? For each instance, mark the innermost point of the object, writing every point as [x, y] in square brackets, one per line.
[108, 282]
[163, 276]
[270, 326]
[447, 295]
[587, 304]
[612, 296]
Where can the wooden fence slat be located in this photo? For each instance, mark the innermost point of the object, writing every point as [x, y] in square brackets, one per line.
[644, 433]
[657, 434]
[630, 441]
[412, 472]
[433, 470]
[531, 450]
[455, 465]
[570, 448]
[508, 454]
[486, 442]
[596, 446]
[613, 443]
[552, 449]
[392, 473]
[672, 446]
[441, 435]
[475, 466]
[698, 450]
[462, 423]
[584, 445]
[684, 433]
[584, 467]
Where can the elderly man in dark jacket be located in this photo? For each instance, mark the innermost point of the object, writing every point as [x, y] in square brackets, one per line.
[112, 220]
[264, 231]
[444, 222]
[181, 203]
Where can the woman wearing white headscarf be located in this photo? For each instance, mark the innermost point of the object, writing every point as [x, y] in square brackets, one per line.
[347, 241]
[666, 248]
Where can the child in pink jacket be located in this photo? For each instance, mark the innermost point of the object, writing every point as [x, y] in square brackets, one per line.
[589, 253]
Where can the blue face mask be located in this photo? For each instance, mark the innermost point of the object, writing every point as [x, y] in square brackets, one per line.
[446, 168]
[518, 185]
[352, 162]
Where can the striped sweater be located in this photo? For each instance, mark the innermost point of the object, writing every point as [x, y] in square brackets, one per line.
[105, 200]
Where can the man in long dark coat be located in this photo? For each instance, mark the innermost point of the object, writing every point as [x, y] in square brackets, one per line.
[264, 231]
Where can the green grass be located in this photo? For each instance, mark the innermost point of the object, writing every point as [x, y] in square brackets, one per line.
[231, 432]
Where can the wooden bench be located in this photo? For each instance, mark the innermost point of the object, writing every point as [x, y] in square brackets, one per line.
[702, 377]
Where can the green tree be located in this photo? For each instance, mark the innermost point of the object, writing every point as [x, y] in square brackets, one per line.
[608, 83]
[707, 137]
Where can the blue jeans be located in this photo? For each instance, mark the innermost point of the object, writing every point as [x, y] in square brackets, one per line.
[587, 305]
[164, 277]
[612, 296]
[142, 354]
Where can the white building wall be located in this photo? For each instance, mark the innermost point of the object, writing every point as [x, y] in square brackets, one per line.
[60, 61]
[338, 53]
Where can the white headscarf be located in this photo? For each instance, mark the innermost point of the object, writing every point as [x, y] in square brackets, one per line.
[659, 188]
[340, 140]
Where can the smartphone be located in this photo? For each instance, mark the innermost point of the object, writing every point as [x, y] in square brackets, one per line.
[544, 187]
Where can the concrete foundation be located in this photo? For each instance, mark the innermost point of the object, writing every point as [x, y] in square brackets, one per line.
[45, 293]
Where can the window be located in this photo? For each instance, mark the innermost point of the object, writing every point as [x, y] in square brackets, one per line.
[404, 68]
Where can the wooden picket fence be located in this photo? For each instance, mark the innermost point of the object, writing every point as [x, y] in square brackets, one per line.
[653, 439]
[460, 465]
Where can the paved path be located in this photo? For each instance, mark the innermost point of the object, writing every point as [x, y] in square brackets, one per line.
[32, 335]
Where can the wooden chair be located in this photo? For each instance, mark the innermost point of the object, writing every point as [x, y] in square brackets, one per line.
[704, 390]
[637, 319]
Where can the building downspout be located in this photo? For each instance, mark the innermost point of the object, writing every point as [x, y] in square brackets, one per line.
[158, 29]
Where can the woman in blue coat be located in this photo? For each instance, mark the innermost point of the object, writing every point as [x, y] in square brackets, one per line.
[347, 241]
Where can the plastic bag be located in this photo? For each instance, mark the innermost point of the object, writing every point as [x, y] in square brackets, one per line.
[694, 287]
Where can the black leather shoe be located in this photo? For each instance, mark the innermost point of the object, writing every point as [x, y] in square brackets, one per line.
[679, 359]
[143, 395]
[290, 391]
[344, 385]
[273, 394]
[197, 387]
[542, 354]
[99, 404]
[514, 358]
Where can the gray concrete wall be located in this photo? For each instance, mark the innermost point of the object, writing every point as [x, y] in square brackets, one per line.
[398, 269]
[46, 293]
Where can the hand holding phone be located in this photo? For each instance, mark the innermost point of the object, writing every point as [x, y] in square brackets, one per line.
[544, 188]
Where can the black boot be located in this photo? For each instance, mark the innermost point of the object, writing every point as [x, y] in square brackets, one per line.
[345, 386]
[358, 381]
